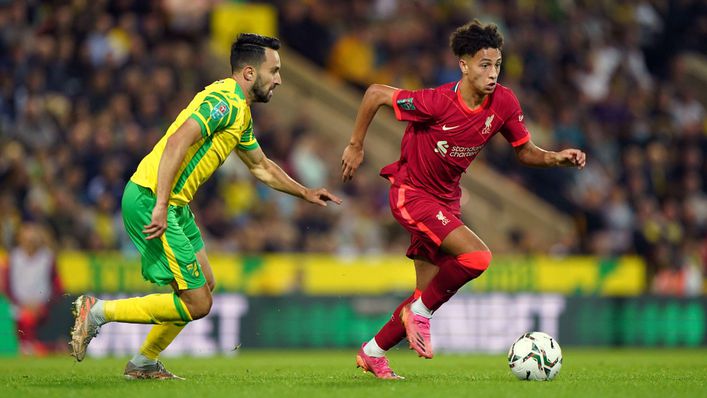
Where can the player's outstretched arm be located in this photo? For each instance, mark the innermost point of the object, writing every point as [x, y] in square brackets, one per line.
[531, 155]
[375, 96]
[269, 173]
[172, 157]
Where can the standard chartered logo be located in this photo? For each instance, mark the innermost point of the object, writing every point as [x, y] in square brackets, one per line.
[457, 151]
[442, 148]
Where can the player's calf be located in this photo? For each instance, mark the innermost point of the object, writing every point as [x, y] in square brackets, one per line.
[454, 273]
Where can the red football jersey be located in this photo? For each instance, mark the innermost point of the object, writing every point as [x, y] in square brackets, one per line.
[444, 135]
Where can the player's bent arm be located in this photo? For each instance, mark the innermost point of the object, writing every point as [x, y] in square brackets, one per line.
[531, 155]
[172, 157]
[376, 95]
[269, 173]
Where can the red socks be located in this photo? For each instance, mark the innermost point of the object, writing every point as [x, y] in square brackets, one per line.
[452, 275]
[393, 332]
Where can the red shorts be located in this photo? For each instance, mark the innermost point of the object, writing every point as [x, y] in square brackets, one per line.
[428, 220]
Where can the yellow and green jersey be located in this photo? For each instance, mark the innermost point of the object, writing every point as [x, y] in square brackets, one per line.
[224, 116]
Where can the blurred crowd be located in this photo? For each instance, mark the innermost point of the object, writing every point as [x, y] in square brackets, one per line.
[87, 88]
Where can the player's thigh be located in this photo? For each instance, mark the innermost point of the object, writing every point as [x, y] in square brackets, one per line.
[187, 240]
[136, 207]
[203, 260]
[196, 296]
[422, 214]
[462, 240]
[174, 257]
[169, 259]
[425, 271]
[192, 232]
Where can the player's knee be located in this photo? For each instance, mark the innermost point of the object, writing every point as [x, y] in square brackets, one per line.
[477, 262]
[200, 304]
[201, 309]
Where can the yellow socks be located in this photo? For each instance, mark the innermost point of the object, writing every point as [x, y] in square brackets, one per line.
[159, 338]
[166, 310]
[154, 308]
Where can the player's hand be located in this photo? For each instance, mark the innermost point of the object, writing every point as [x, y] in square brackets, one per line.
[572, 158]
[158, 224]
[350, 160]
[320, 196]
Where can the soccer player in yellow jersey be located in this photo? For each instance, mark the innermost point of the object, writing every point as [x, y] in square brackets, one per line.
[156, 212]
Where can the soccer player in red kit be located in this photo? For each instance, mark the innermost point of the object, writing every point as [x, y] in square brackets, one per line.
[447, 127]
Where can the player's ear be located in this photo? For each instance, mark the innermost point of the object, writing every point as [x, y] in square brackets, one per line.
[463, 66]
[249, 73]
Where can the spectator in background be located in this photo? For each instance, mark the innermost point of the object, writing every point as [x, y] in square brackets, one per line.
[32, 283]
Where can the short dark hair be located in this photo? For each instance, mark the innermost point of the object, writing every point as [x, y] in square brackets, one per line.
[249, 49]
[474, 36]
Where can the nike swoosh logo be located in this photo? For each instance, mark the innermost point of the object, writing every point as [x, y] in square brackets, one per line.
[445, 128]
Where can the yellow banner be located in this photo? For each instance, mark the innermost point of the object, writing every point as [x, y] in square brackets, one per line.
[314, 274]
[584, 275]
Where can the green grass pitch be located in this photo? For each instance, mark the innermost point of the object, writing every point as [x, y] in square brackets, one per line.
[256, 373]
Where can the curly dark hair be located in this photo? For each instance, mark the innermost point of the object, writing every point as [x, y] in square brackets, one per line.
[474, 36]
[249, 49]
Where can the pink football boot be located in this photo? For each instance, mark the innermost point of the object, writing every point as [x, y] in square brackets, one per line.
[378, 366]
[417, 328]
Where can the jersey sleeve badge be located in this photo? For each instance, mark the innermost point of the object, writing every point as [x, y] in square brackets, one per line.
[219, 111]
[406, 104]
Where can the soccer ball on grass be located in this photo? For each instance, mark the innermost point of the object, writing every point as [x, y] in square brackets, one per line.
[535, 356]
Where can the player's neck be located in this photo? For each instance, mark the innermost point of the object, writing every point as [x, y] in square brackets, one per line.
[471, 97]
[242, 83]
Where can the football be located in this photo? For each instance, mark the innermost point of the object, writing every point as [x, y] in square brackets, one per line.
[535, 356]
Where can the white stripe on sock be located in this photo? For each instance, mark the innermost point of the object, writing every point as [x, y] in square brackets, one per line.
[97, 313]
[141, 361]
[372, 349]
[419, 308]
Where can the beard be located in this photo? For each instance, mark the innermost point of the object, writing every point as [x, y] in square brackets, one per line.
[261, 93]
